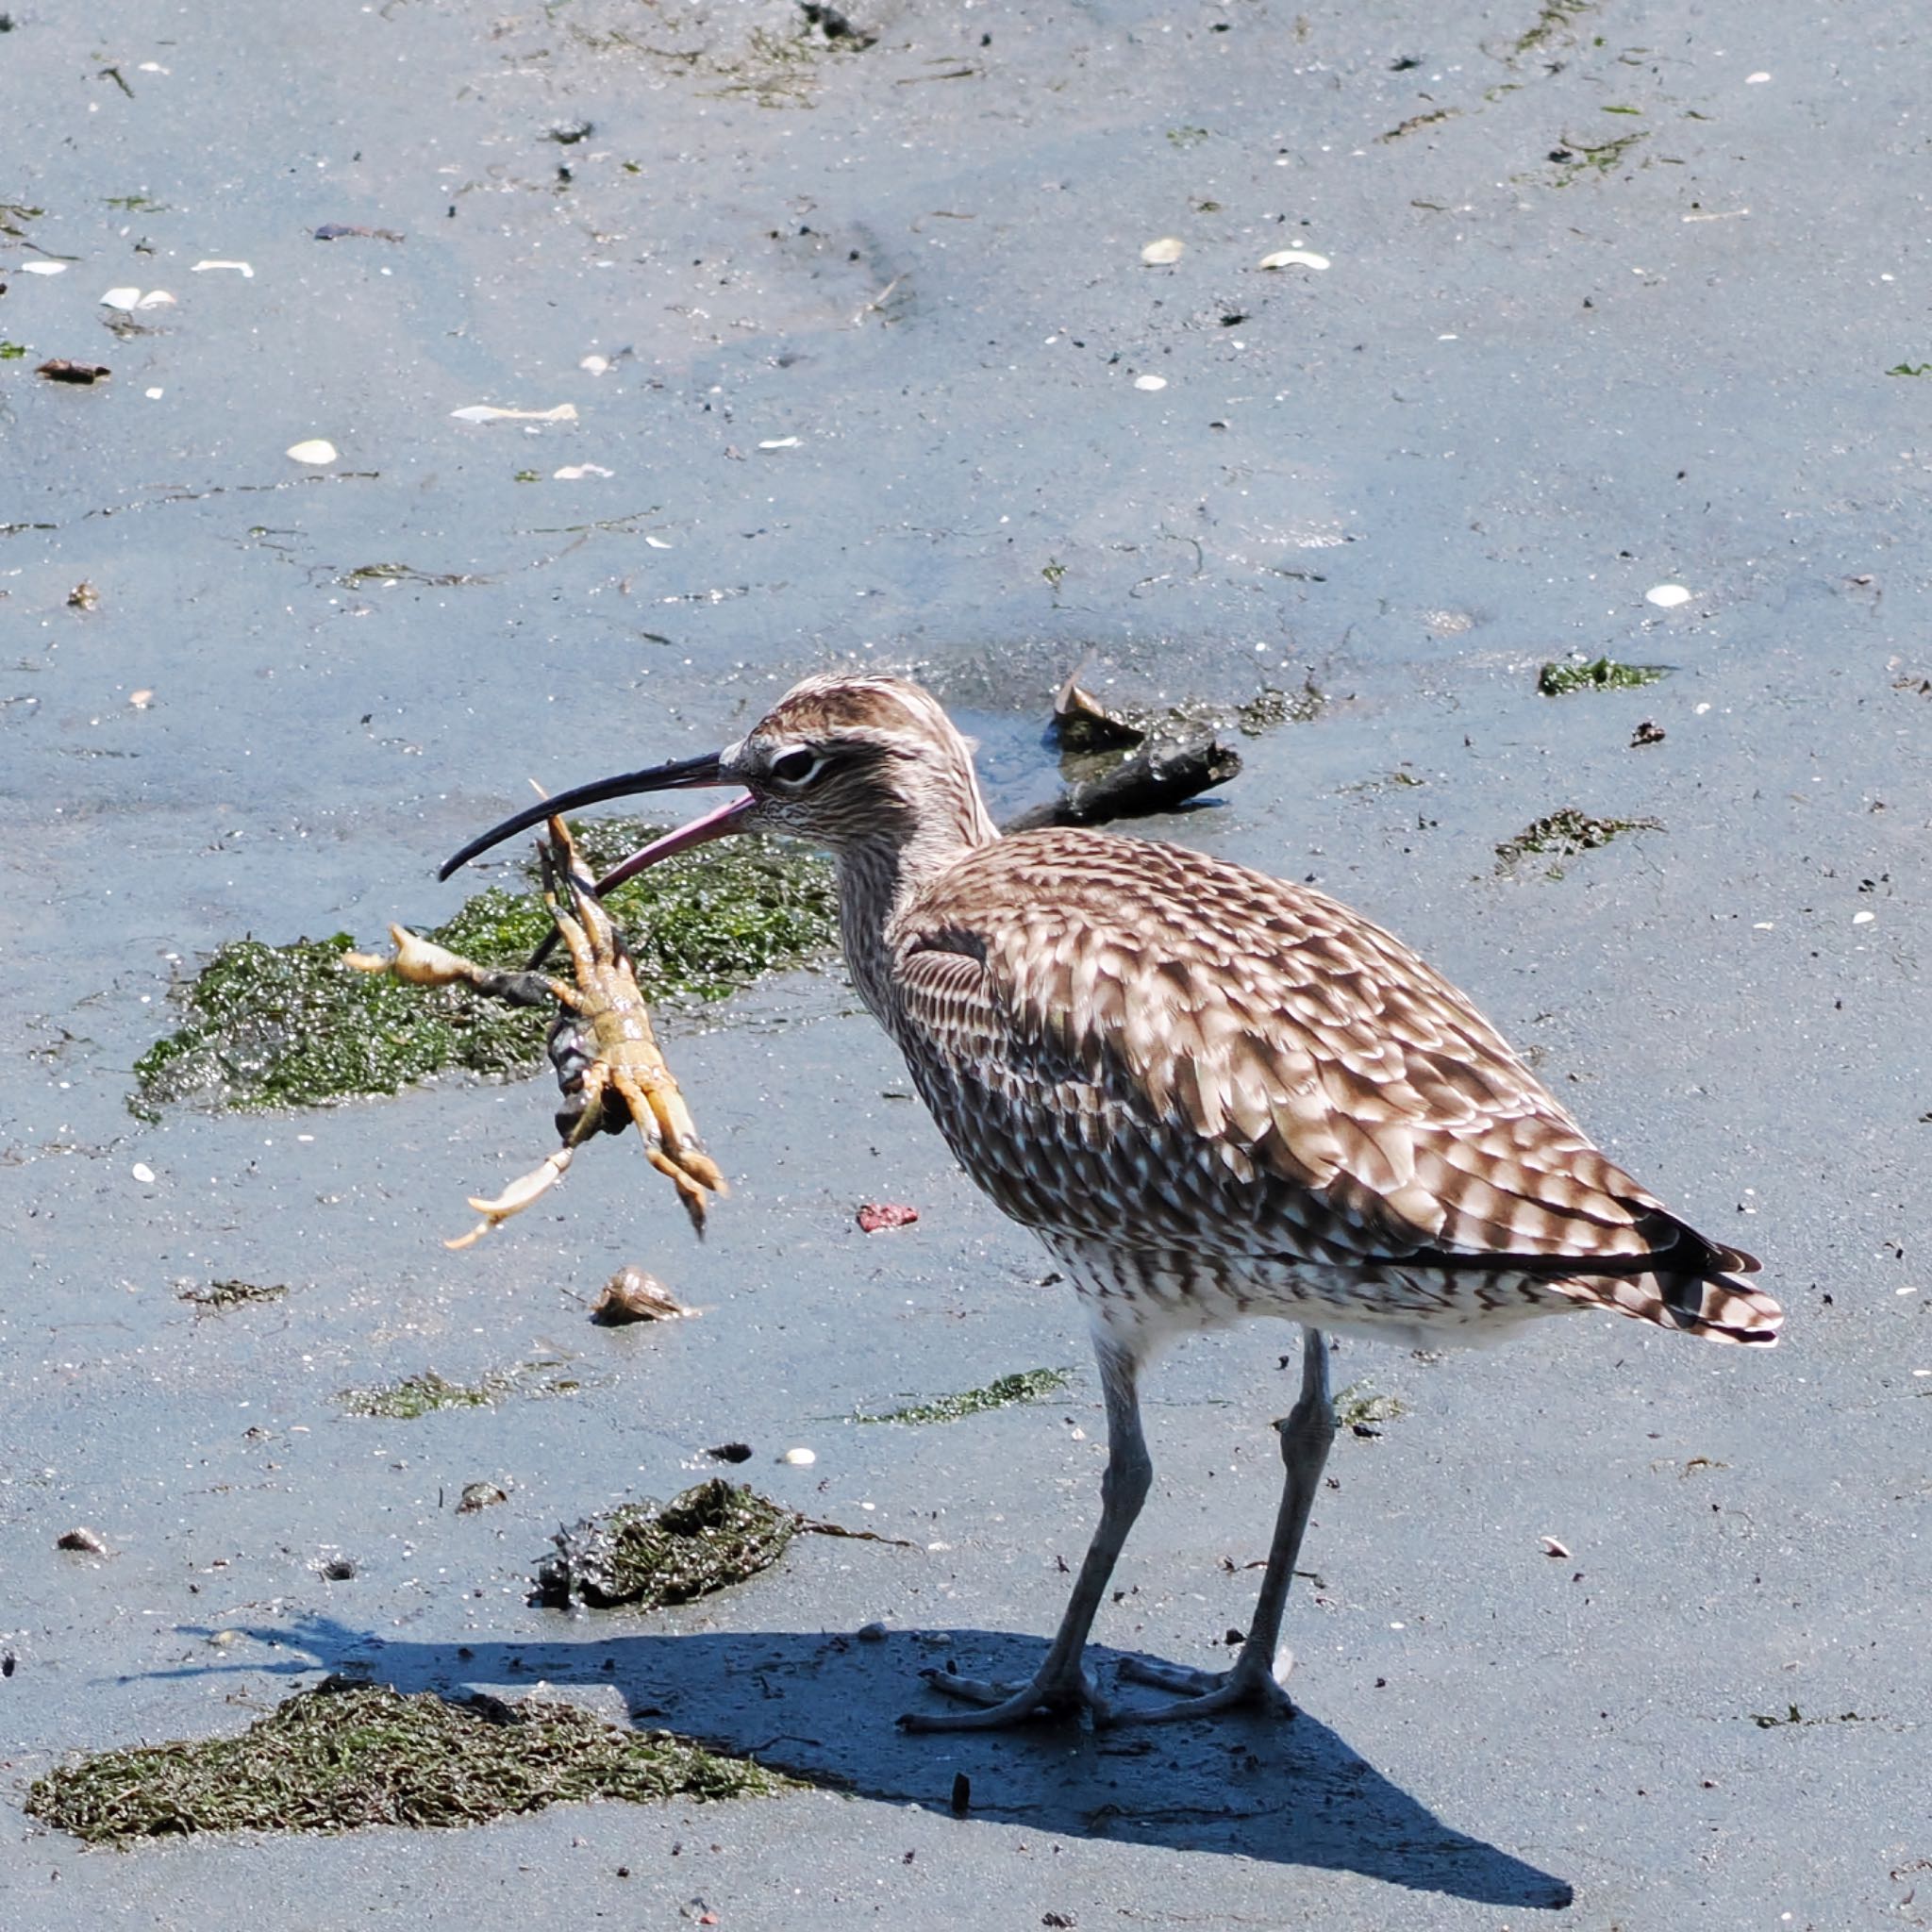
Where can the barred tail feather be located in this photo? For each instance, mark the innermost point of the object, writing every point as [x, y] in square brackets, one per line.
[1701, 1294]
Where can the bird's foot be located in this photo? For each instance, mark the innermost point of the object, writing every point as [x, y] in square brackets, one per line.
[1049, 1697]
[1249, 1687]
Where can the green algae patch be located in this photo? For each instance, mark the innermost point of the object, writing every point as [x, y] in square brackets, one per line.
[707, 1538]
[289, 1025]
[1565, 834]
[1360, 1410]
[419, 1395]
[1026, 1385]
[346, 1754]
[1558, 680]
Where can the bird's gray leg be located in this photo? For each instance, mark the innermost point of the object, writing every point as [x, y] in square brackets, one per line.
[1255, 1682]
[1060, 1686]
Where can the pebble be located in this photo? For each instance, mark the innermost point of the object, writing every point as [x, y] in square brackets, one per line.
[872, 1633]
[1170, 248]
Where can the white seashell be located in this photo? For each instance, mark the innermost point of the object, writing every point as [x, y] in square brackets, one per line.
[1170, 248]
[156, 298]
[489, 412]
[595, 364]
[241, 267]
[1150, 382]
[800, 1459]
[317, 451]
[780, 443]
[43, 268]
[1293, 257]
[142, 1173]
[1667, 596]
[120, 298]
[576, 472]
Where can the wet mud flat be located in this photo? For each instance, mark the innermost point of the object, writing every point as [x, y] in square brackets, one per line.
[538, 396]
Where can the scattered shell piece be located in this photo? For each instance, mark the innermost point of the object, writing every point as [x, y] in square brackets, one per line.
[154, 395]
[43, 268]
[142, 1173]
[656, 543]
[577, 472]
[800, 1459]
[318, 451]
[1756, 79]
[134, 298]
[596, 365]
[83, 597]
[1863, 918]
[779, 442]
[489, 412]
[477, 1497]
[874, 1215]
[1293, 257]
[83, 1540]
[241, 267]
[1551, 1547]
[1170, 248]
[141, 700]
[82, 373]
[632, 1295]
[1150, 382]
[1667, 596]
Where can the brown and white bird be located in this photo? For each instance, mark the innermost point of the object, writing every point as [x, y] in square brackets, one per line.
[1211, 1094]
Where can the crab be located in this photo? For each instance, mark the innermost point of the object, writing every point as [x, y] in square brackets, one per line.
[602, 1042]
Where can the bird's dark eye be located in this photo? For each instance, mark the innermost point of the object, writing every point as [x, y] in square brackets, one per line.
[795, 767]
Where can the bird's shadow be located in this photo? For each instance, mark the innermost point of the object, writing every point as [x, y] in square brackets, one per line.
[822, 1709]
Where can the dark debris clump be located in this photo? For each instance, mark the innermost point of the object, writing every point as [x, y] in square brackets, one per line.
[705, 1538]
[346, 1754]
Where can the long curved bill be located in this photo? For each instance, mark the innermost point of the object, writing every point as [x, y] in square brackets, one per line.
[684, 775]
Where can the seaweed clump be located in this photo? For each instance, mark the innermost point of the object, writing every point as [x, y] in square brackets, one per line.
[344, 1754]
[1026, 1385]
[1556, 680]
[1565, 834]
[705, 1538]
[419, 1395]
[286, 1025]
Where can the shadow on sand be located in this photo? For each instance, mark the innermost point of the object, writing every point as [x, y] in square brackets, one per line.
[821, 1708]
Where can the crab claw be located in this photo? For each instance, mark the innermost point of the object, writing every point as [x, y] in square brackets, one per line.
[514, 1198]
[417, 962]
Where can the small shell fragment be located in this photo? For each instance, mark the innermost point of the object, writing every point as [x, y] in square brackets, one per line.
[43, 268]
[82, 1540]
[142, 1173]
[318, 453]
[1551, 1547]
[241, 267]
[800, 1459]
[1293, 257]
[128, 299]
[477, 1497]
[874, 1215]
[779, 442]
[1170, 248]
[489, 412]
[578, 473]
[594, 365]
[631, 1295]
[1667, 596]
[1150, 382]
[141, 699]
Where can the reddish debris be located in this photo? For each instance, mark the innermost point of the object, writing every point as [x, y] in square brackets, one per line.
[874, 1215]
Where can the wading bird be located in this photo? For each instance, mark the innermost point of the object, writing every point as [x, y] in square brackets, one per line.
[1211, 1094]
